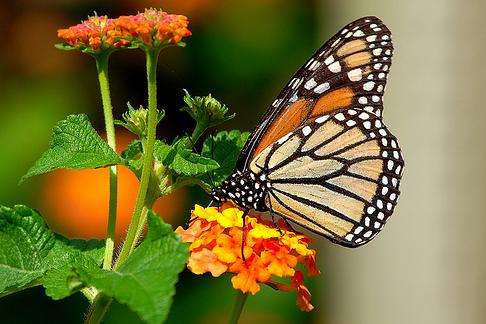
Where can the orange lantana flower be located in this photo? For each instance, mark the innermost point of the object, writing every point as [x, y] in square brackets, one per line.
[149, 28]
[216, 246]
[92, 35]
[153, 27]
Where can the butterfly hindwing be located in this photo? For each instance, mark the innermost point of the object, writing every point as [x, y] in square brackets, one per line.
[338, 175]
[349, 70]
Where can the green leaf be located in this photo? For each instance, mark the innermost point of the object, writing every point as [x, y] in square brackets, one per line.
[133, 157]
[224, 148]
[146, 281]
[60, 279]
[25, 241]
[64, 47]
[133, 150]
[163, 152]
[31, 253]
[182, 160]
[189, 163]
[74, 145]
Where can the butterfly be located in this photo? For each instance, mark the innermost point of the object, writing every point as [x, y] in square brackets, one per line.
[322, 157]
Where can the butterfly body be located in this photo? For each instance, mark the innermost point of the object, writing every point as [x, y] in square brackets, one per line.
[245, 189]
[322, 156]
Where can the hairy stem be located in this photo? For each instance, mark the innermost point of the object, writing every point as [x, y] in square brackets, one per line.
[90, 293]
[140, 228]
[238, 308]
[148, 157]
[102, 67]
[98, 310]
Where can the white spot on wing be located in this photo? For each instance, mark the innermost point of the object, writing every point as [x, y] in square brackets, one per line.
[310, 84]
[322, 87]
[368, 86]
[322, 119]
[377, 51]
[340, 117]
[335, 67]
[355, 75]
[306, 130]
[329, 60]
[371, 38]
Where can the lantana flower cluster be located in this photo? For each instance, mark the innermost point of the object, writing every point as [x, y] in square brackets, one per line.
[153, 28]
[216, 246]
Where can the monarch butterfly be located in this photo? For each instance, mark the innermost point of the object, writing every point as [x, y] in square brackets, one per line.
[321, 156]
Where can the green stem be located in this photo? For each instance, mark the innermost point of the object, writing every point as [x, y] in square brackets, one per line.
[90, 293]
[140, 228]
[238, 308]
[102, 67]
[148, 157]
[99, 308]
[198, 131]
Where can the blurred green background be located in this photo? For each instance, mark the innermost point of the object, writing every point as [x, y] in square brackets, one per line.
[428, 266]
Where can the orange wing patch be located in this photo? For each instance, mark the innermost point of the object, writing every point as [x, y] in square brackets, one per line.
[334, 100]
[351, 47]
[358, 59]
[293, 116]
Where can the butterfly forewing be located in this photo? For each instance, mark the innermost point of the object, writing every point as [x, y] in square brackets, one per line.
[349, 70]
[338, 175]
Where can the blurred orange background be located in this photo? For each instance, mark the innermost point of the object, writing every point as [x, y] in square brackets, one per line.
[82, 212]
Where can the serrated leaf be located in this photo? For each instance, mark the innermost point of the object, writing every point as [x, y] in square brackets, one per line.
[189, 163]
[60, 279]
[74, 145]
[146, 281]
[30, 252]
[25, 241]
[132, 155]
[133, 150]
[224, 148]
[163, 152]
[182, 160]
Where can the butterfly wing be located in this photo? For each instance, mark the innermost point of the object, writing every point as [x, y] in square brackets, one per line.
[339, 175]
[349, 70]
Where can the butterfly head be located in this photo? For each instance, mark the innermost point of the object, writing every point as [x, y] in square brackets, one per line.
[244, 190]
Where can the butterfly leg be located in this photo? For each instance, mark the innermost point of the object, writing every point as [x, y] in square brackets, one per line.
[274, 221]
[276, 224]
[243, 238]
[288, 225]
[193, 219]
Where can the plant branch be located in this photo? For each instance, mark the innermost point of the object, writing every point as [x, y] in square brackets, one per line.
[90, 293]
[198, 131]
[148, 157]
[99, 308]
[102, 67]
[238, 308]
